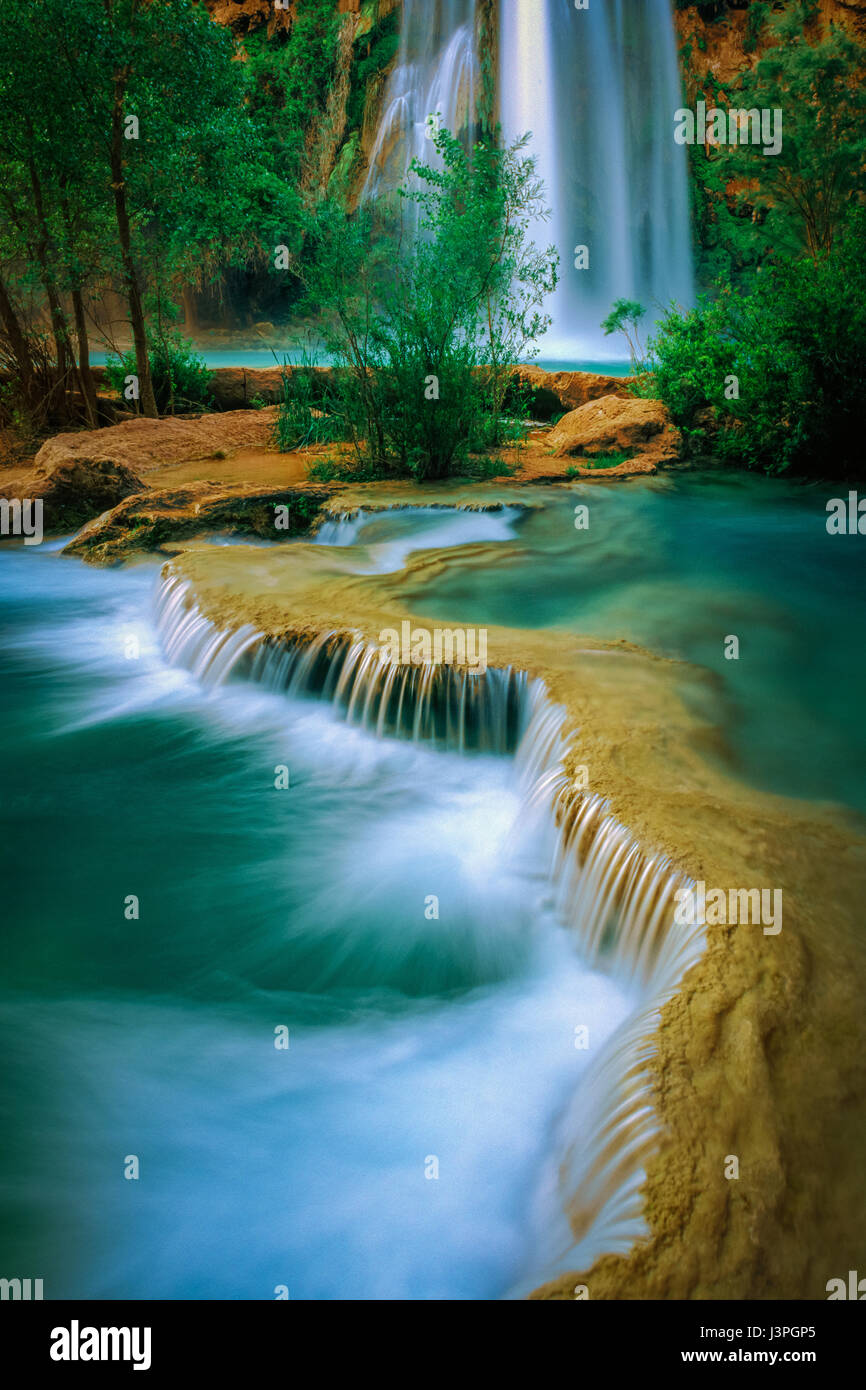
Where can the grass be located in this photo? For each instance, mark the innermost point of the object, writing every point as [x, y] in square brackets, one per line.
[596, 461]
[344, 470]
[485, 468]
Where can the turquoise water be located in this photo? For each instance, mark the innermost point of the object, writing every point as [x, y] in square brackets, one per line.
[410, 1039]
[680, 562]
[264, 357]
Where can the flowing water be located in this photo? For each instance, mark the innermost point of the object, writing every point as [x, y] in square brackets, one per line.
[435, 76]
[404, 908]
[597, 89]
[413, 1041]
[678, 563]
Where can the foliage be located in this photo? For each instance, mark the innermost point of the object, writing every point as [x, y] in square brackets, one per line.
[773, 378]
[290, 76]
[612, 460]
[180, 378]
[425, 338]
[129, 160]
[707, 9]
[308, 410]
[375, 50]
[625, 317]
[758, 14]
[803, 192]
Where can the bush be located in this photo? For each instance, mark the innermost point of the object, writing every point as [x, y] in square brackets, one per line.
[308, 413]
[773, 379]
[425, 338]
[181, 380]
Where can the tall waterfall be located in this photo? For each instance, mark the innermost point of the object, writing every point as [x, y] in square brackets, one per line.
[598, 88]
[436, 74]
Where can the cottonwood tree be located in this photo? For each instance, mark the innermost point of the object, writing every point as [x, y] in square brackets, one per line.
[806, 189]
[129, 156]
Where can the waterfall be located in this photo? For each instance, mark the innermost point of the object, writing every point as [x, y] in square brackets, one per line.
[427, 703]
[436, 74]
[619, 901]
[616, 897]
[598, 88]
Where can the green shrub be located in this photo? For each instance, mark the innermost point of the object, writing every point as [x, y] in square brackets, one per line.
[180, 378]
[424, 338]
[773, 379]
[307, 414]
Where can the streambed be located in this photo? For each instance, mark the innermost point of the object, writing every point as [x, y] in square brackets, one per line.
[394, 1148]
[419, 1045]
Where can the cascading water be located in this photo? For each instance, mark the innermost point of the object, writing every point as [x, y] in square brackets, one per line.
[436, 75]
[598, 89]
[617, 899]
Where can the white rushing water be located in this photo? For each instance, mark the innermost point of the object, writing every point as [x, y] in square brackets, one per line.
[597, 89]
[437, 1128]
[391, 535]
[436, 74]
[617, 899]
[415, 1040]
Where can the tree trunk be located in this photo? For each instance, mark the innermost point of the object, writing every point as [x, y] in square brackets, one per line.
[44, 251]
[147, 400]
[190, 317]
[18, 344]
[83, 372]
[88, 386]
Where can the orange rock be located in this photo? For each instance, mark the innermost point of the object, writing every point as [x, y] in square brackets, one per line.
[616, 424]
[145, 445]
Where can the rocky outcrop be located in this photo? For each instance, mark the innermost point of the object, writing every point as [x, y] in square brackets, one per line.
[144, 445]
[552, 393]
[722, 46]
[616, 424]
[73, 490]
[150, 520]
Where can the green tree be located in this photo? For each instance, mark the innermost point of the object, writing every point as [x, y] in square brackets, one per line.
[772, 378]
[129, 155]
[805, 190]
[50, 215]
[426, 332]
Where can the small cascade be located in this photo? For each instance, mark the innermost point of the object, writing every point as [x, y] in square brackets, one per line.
[617, 898]
[619, 901]
[436, 74]
[446, 705]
